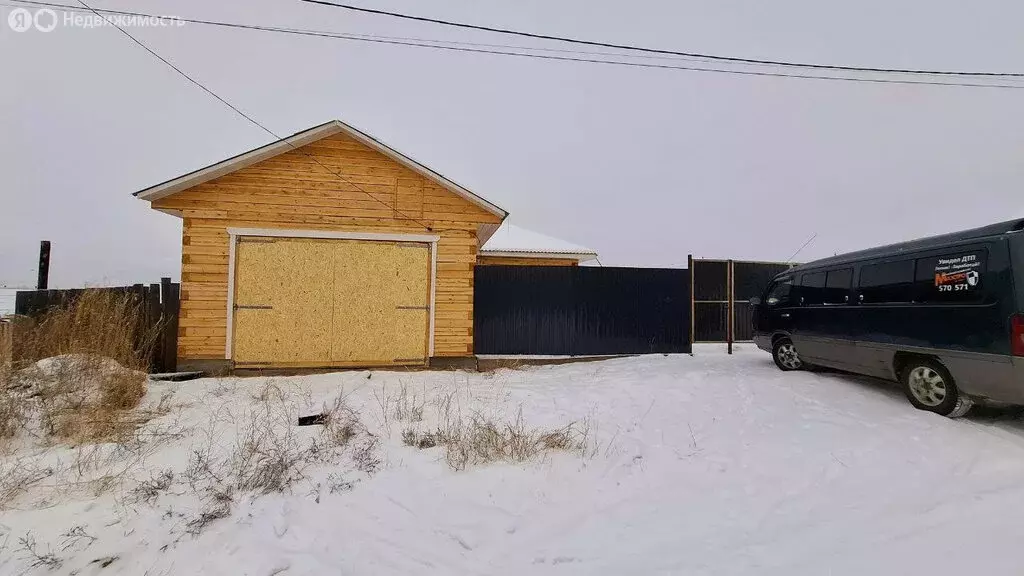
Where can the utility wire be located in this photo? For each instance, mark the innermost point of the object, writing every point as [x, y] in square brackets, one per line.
[435, 44]
[250, 118]
[801, 248]
[355, 36]
[655, 50]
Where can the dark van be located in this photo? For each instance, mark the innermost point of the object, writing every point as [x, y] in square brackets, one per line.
[944, 316]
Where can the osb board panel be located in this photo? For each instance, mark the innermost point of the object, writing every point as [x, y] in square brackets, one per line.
[411, 325]
[516, 261]
[293, 277]
[374, 284]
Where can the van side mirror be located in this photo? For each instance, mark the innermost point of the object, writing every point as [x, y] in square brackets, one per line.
[755, 301]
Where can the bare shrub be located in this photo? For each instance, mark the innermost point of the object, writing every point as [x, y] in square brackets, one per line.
[18, 476]
[217, 506]
[75, 536]
[336, 483]
[341, 423]
[407, 407]
[480, 440]
[269, 391]
[365, 455]
[200, 470]
[268, 456]
[36, 557]
[410, 437]
[149, 490]
[12, 412]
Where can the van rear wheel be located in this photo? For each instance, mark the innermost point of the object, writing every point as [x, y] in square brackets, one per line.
[929, 386]
[785, 355]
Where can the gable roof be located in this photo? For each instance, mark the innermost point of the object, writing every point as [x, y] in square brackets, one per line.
[511, 240]
[297, 140]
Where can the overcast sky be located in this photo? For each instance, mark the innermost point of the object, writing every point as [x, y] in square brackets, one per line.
[642, 165]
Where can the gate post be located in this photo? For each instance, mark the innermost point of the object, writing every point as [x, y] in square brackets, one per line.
[730, 294]
[689, 265]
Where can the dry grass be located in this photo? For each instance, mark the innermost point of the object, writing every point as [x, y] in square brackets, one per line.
[99, 322]
[149, 490]
[267, 458]
[96, 369]
[12, 414]
[481, 439]
[19, 475]
[38, 558]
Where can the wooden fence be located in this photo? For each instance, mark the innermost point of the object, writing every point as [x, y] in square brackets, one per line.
[159, 311]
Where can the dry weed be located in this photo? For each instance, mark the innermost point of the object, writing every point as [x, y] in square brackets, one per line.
[336, 483]
[365, 455]
[218, 506]
[94, 357]
[341, 423]
[12, 413]
[481, 440]
[76, 536]
[149, 490]
[98, 323]
[36, 557]
[407, 407]
[18, 476]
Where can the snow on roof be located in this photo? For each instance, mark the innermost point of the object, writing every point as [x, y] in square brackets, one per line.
[509, 239]
[7, 296]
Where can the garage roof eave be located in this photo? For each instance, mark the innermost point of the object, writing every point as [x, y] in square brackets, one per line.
[578, 256]
[303, 138]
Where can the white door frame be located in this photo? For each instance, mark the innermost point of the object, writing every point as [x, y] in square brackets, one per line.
[235, 233]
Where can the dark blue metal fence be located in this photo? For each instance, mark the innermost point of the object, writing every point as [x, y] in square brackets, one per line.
[578, 310]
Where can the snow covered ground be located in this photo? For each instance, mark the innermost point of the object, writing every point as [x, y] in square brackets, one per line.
[707, 464]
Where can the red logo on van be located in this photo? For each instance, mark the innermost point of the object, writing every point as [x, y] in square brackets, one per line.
[942, 279]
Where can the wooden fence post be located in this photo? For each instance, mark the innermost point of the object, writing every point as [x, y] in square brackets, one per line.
[153, 322]
[43, 277]
[169, 299]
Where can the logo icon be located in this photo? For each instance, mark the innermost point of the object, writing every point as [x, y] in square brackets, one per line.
[20, 20]
[972, 278]
[45, 20]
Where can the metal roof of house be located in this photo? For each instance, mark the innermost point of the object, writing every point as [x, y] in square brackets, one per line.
[511, 240]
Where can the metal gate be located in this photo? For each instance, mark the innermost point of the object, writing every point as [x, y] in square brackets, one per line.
[722, 290]
[580, 310]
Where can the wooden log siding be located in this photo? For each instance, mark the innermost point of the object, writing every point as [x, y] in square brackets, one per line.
[292, 191]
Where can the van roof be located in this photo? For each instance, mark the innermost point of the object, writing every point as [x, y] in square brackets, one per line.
[914, 245]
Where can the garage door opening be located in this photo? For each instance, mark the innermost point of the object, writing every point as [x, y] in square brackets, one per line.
[324, 302]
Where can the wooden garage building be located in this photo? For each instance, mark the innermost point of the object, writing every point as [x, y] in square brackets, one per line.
[327, 249]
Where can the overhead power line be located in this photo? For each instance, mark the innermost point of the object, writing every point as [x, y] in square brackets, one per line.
[446, 46]
[656, 50]
[248, 117]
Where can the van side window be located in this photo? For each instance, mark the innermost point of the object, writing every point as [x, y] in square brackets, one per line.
[887, 283]
[954, 277]
[780, 292]
[837, 286]
[812, 288]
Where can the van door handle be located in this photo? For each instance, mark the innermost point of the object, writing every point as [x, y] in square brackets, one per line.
[785, 315]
